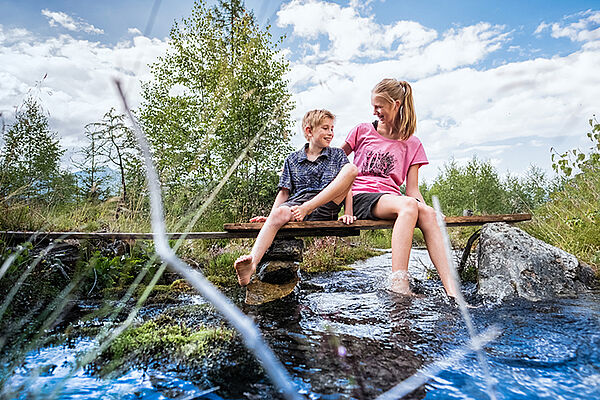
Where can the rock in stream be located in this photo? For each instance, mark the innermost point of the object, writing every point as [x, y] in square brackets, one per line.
[514, 264]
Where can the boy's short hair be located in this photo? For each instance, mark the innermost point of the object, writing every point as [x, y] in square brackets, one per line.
[314, 117]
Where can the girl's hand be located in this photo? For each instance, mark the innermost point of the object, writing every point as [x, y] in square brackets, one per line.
[347, 219]
[259, 218]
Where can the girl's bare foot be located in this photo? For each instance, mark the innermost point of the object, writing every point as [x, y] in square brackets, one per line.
[244, 269]
[300, 212]
[399, 283]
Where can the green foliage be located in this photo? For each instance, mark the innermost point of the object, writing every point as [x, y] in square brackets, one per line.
[219, 85]
[93, 184]
[112, 142]
[330, 253]
[378, 239]
[219, 269]
[106, 272]
[574, 160]
[39, 274]
[527, 193]
[478, 187]
[22, 254]
[30, 159]
[571, 218]
[87, 216]
[475, 186]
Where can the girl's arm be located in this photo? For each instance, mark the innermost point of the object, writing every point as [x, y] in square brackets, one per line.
[346, 148]
[412, 183]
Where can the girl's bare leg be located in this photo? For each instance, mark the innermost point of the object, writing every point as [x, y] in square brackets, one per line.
[435, 246]
[404, 210]
[246, 265]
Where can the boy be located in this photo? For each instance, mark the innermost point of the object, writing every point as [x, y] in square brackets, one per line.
[315, 181]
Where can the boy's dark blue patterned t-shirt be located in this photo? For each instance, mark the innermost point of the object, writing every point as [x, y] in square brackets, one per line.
[303, 176]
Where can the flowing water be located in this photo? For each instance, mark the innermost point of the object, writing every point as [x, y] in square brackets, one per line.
[343, 336]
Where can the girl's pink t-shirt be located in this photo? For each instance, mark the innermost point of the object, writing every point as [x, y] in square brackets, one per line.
[382, 163]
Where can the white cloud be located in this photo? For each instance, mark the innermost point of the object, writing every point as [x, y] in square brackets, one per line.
[134, 31]
[512, 114]
[57, 18]
[587, 28]
[360, 4]
[79, 87]
[351, 35]
[467, 111]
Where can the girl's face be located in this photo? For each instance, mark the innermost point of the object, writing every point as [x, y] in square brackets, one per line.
[384, 110]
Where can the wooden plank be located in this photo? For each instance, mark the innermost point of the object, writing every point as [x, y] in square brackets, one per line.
[381, 224]
[118, 235]
[250, 230]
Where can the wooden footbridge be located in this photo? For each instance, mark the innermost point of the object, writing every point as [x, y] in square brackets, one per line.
[250, 230]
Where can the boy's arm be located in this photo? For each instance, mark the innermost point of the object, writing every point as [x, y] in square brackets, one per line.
[281, 197]
[348, 216]
[412, 183]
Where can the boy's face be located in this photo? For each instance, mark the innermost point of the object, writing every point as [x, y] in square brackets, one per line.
[322, 134]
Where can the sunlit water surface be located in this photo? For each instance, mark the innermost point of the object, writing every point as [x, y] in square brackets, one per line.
[343, 336]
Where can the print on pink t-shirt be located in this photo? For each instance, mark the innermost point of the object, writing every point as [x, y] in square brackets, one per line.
[382, 163]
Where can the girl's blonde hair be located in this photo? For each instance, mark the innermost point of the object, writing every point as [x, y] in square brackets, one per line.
[391, 90]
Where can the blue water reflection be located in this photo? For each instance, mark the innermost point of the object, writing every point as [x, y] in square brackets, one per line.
[344, 336]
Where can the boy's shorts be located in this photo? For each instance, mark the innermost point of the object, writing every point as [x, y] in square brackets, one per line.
[326, 212]
[363, 203]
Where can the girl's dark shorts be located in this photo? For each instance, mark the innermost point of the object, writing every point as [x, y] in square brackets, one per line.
[326, 212]
[363, 203]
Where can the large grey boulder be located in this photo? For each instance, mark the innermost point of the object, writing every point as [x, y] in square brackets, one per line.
[512, 263]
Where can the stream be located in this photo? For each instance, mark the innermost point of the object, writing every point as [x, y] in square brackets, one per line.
[344, 336]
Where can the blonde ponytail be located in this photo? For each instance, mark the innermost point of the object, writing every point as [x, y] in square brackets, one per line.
[392, 90]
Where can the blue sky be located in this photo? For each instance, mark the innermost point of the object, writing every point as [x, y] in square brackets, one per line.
[505, 81]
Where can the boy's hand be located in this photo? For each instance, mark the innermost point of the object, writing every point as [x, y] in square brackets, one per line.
[347, 219]
[258, 218]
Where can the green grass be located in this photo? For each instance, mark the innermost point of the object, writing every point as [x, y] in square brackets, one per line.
[571, 219]
[331, 253]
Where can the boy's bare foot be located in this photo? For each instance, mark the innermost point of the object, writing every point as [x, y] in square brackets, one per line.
[301, 211]
[244, 269]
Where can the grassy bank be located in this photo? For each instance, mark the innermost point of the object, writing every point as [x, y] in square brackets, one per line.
[570, 220]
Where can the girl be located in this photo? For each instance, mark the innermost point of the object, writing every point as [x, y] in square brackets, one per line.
[387, 154]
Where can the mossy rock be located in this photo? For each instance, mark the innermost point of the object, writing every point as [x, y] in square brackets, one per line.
[209, 355]
[181, 286]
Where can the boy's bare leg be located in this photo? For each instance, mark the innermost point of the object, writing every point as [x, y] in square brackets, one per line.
[335, 191]
[246, 265]
[404, 211]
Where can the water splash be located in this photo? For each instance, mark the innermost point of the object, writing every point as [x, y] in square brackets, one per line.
[462, 304]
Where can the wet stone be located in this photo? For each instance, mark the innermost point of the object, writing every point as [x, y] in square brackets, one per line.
[277, 272]
[258, 292]
[285, 249]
